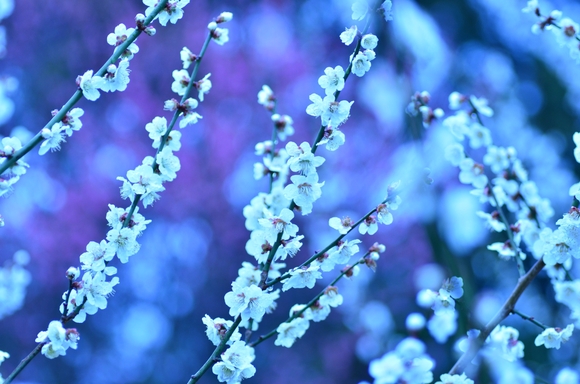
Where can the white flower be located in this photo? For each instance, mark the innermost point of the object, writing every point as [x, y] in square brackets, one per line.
[304, 190]
[369, 225]
[472, 173]
[123, 242]
[57, 340]
[217, 329]
[359, 9]
[384, 215]
[180, 81]
[283, 124]
[156, 128]
[503, 342]
[220, 35]
[288, 332]
[333, 138]
[497, 158]
[187, 57]
[554, 337]
[97, 256]
[71, 121]
[369, 41]
[116, 218]
[481, 106]
[406, 364]
[52, 139]
[361, 63]
[455, 153]
[250, 302]
[415, 322]
[90, 85]
[302, 277]
[386, 10]
[479, 136]
[203, 86]
[266, 97]
[342, 253]
[492, 220]
[279, 224]
[235, 364]
[96, 289]
[442, 325]
[458, 124]
[168, 164]
[224, 17]
[11, 144]
[576, 138]
[302, 159]
[332, 80]
[454, 286]
[454, 379]
[531, 6]
[331, 297]
[189, 116]
[116, 79]
[347, 37]
[120, 35]
[567, 376]
[342, 226]
[443, 302]
[171, 12]
[456, 99]
[331, 112]
[506, 250]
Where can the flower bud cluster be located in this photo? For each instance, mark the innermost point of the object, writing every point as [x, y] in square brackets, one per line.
[566, 30]
[510, 188]
[443, 323]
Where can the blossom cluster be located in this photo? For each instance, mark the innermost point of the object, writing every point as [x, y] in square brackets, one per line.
[56, 340]
[566, 30]
[269, 216]
[443, 323]
[142, 184]
[407, 363]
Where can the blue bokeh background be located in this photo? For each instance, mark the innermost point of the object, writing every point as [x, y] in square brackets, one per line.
[151, 331]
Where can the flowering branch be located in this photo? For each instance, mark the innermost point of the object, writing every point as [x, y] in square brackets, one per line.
[24, 363]
[216, 353]
[344, 272]
[61, 114]
[507, 308]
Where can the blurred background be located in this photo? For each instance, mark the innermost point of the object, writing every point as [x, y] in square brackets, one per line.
[151, 331]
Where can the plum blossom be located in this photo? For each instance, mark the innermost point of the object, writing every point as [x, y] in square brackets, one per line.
[250, 302]
[554, 337]
[235, 364]
[90, 85]
[217, 328]
[347, 37]
[172, 12]
[332, 80]
[304, 190]
[57, 340]
[288, 332]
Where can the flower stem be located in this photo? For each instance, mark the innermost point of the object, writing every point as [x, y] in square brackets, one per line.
[24, 363]
[529, 318]
[507, 308]
[309, 304]
[217, 351]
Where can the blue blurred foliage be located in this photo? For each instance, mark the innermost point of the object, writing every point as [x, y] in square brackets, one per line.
[151, 331]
